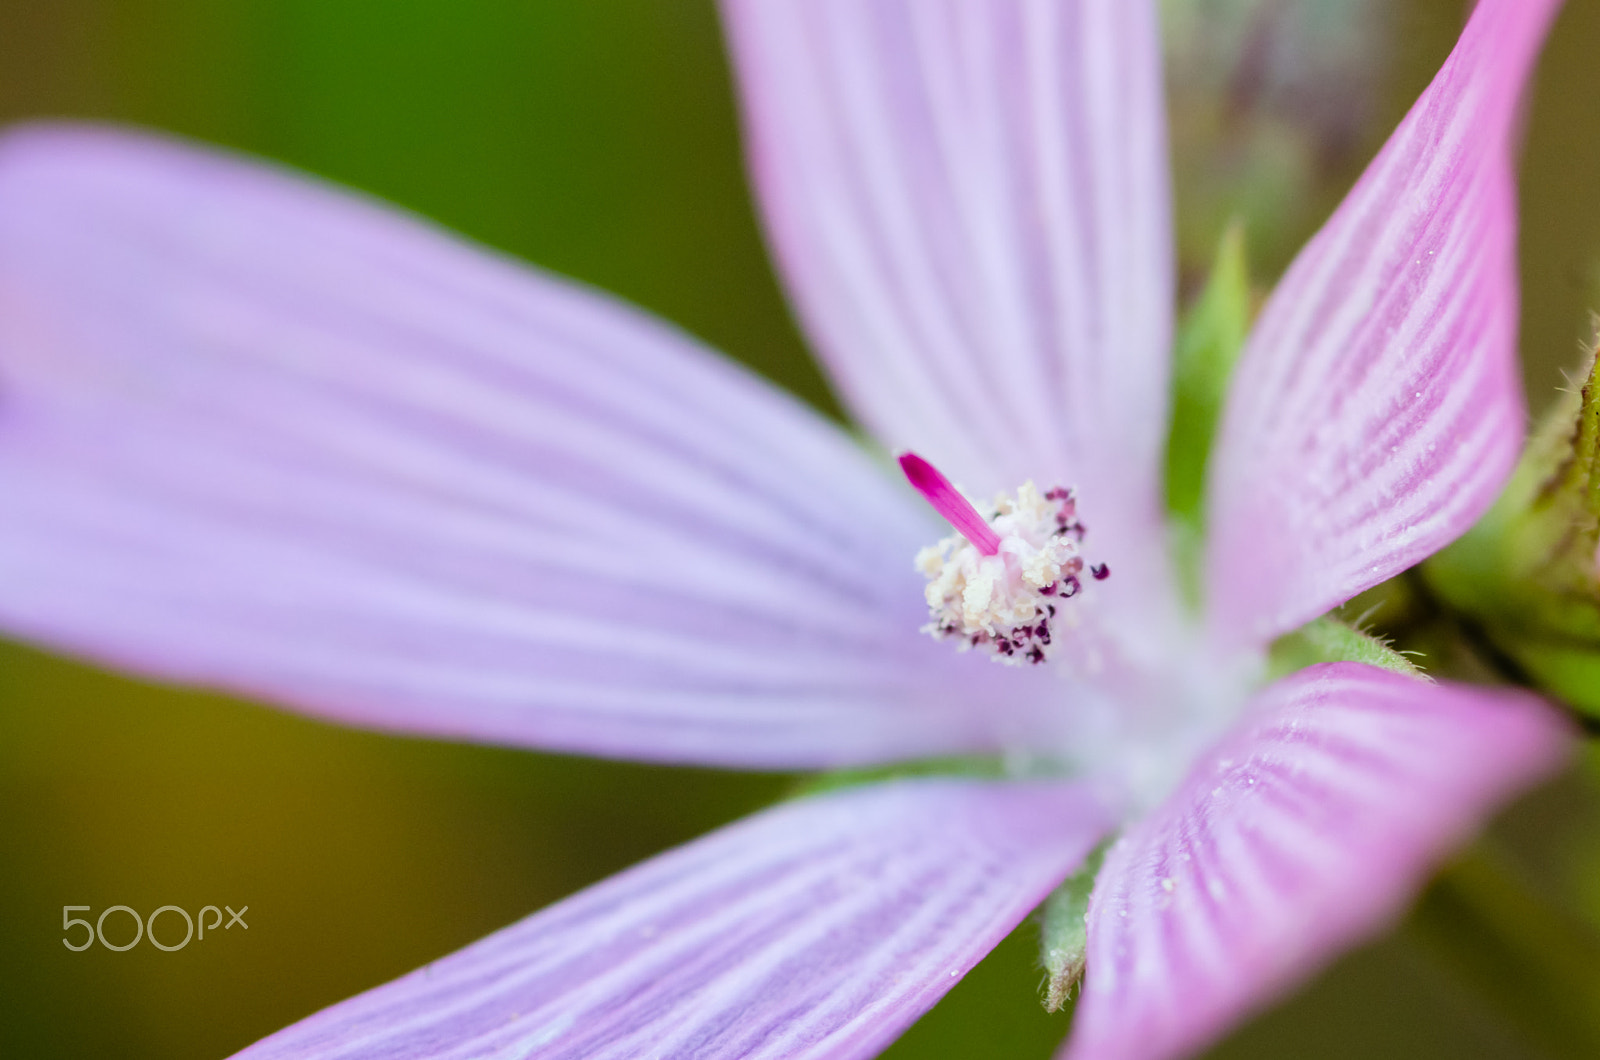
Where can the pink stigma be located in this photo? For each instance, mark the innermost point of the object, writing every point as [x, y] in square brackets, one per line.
[948, 502]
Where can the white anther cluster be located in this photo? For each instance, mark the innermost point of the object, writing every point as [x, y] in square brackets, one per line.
[1008, 604]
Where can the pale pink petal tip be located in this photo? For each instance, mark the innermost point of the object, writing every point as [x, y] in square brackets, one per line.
[1377, 409]
[820, 928]
[948, 502]
[1306, 830]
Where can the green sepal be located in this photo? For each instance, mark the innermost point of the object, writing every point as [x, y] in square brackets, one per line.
[1327, 639]
[1064, 931]
[1208, 343]
[1525, 576]
[970, 768]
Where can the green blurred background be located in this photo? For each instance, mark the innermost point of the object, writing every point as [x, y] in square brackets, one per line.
[598, 138]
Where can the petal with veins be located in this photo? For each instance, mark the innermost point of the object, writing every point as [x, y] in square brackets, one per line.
[262, 435]
[1376, 410]
[821, 928]
[969, 201]
[1305, 830]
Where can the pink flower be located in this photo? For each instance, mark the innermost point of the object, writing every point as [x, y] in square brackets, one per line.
[264, 436]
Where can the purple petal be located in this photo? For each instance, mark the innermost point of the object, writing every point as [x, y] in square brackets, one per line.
[1376, 410]
[259, 434]
[820, 928]
[1307, 829]
[970, 204]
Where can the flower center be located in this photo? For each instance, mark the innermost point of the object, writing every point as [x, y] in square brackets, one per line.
[1002, 584]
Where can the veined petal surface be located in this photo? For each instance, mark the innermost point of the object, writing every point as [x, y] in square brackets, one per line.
[821, 928]
[1306, 829]
[1376, 410]
[969, 202]
[263, 435]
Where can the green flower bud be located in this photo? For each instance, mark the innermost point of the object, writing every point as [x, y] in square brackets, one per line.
[1525, 579]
